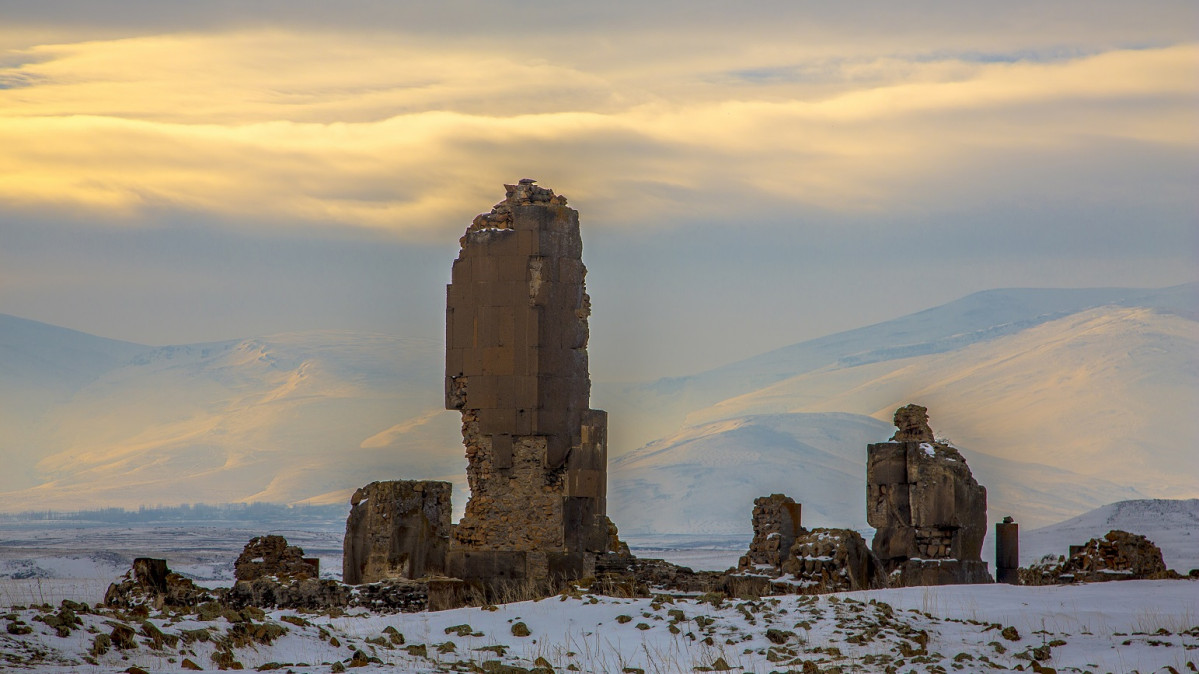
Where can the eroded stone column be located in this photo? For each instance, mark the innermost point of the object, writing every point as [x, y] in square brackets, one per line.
[929, 513]
[516, 368]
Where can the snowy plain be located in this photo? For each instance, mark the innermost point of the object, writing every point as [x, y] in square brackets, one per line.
[1141, 626]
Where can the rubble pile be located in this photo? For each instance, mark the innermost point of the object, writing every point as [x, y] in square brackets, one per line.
[1118, 555]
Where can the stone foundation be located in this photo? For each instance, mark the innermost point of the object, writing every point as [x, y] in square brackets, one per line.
[1118, 555]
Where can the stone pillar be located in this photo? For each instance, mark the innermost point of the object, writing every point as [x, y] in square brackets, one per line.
[1007, 552]
[397, 529]
[516, 368]
[777, 523]
[929, 513]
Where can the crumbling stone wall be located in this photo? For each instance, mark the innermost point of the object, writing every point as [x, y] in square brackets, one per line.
[832, 560]
[271, 556]
[1118, 555]
[516, 368]
[397, 529]
[929, 513]
[776, 522]
[785, 558]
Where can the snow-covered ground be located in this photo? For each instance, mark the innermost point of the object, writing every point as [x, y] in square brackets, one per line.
[1143, 626]
[1113, 627]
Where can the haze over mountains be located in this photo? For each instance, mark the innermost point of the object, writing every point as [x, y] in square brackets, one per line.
[1061, 400]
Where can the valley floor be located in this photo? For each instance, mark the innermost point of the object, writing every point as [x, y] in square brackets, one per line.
[1141, 626]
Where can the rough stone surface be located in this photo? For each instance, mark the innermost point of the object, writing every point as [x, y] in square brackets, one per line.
[929, 513]
[516, 368]
[912, 422]
[271, 556]
[397, 529]
[776, 522]
[832, 560]
[305, 593]
[150, 584]
[785, 558]
[622, 575]
[1119, 555]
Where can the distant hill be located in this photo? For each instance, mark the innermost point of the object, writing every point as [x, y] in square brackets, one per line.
[1172, 524]
[1062, 400]
[88, 422]
[704, 479]
[1102, 383]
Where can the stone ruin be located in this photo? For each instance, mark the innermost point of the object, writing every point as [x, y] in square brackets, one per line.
[777, 522]
[516, 369]
[790, 559]
[929, 513]
[1118, 555]
[397, 529]
[272, 556]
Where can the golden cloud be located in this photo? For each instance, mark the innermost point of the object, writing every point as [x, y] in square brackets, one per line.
[391, 133]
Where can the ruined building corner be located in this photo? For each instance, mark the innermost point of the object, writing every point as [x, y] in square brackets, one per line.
[929, 513]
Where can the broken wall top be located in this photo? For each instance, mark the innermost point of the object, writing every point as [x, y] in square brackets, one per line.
[516, 321]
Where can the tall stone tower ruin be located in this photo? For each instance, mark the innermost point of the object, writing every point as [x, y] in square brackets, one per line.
[516, 367]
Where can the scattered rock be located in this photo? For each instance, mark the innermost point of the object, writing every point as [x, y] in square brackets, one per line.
[149, 584]
[100, 644]
[1118, 555]
[123, 636]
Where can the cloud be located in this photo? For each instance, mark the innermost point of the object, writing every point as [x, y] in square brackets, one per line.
[273, 128]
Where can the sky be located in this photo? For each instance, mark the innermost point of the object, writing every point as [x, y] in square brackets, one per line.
[747, 176]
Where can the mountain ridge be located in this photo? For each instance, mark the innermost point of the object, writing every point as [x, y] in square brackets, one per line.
[309, 416]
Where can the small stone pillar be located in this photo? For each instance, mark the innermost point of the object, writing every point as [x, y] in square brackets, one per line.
[777, 523]
[1007, 552]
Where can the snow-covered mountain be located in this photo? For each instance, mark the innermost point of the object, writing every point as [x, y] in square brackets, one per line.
[703, 480]
[1101, 383]
[89, 422]
[1172, 524]
[1062, 400]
